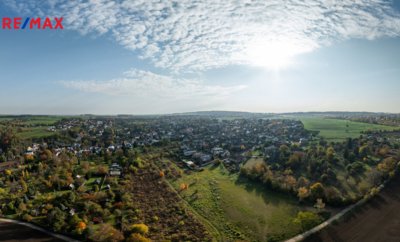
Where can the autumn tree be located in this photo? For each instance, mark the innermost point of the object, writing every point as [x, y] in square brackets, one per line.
[106, 232]
[387, 165]
[136, 237]
[80, 227]
[139, 228]
[303, 193]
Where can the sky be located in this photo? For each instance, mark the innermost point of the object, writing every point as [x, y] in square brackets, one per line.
[155, 57]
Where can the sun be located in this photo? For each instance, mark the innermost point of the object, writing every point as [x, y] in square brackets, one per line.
[273, 55]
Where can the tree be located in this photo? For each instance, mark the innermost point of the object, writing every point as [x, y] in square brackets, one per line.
[135, 237]
[387, 165]
[102, 170]
[295, 160]
[22, 208]
[24, 186]
[307, 220]
[302, 182]
[290, 183]
[183, 186]
[27, 217]
[363, 151]
[317, 190]
[57, 219]
[139, 228]
[80, 227]
[333, 195]
[7, 139]
[330, 154]
[8, 172]
[106, 232]
[303, 193]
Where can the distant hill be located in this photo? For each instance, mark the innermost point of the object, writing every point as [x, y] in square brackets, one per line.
[231, 114]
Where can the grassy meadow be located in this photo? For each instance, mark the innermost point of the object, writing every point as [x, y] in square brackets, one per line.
[34, 132]
[31, 127]
[239, 208]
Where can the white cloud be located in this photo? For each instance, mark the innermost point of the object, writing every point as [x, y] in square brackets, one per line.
[188, 35]
[144, 84]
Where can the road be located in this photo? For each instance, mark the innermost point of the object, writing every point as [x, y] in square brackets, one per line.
[15, 231]
[376, 220]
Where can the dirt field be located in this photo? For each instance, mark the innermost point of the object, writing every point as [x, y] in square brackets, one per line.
[155, 198]
[378, 220]
[13, 233]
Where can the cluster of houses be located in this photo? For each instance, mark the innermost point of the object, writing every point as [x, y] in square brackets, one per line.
[202, 140]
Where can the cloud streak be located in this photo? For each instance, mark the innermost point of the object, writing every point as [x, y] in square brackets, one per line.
[192, 36]
[144, 84]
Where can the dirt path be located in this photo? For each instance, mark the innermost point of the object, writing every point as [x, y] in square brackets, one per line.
[377, 220]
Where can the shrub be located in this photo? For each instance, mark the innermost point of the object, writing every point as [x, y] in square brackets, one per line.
[135, 237]
[106, 232]
[183, 186]
[140, 228]
[27, 217]
[307, 220]
[81, 226]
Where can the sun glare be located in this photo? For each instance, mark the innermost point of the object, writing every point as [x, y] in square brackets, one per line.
[274, 55]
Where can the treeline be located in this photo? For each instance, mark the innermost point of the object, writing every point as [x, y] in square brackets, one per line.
[321, 171]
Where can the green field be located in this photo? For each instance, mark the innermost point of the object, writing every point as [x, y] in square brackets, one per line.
[34, 132]
[238, 208]
[34, 120]
[30, 127]
[42, 120]
[338, 129]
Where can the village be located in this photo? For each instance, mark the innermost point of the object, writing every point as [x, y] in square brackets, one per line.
[200, 140]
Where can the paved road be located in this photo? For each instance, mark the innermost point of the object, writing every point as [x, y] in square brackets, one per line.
[377, 220]
[11, 232]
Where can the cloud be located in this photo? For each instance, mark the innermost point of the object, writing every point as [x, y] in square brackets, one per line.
[144, 84]
[191, 36]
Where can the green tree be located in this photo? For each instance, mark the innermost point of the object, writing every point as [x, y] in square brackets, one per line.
[57, 218]
[140, 228]
[307, 220]
[317, 190]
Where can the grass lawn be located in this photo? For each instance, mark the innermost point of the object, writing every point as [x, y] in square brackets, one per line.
[34, 132]
[338, 129]
[238, 208]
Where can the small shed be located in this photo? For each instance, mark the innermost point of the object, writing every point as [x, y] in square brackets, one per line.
[115, 169]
